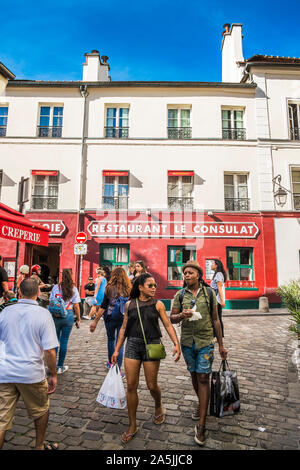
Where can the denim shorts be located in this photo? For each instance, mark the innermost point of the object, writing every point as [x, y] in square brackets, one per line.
[198, 360]
[136, 349]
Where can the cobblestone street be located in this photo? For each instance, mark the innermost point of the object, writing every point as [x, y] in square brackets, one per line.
[260, 349]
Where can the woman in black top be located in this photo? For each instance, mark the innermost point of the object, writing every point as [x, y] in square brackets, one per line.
[151, 310]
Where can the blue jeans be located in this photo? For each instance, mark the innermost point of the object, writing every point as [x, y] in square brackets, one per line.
[112, 330]
[63, 330]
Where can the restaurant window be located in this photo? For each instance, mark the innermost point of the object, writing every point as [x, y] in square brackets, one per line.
[236, 192]
[240, 264]
[180, 190]
[3, 120]
[50, 121]
[177, 257]
[233, 124]
[296, 187]
[115, 190]
[114, 255]
[117, 123]
[179, 124]
[44, 190]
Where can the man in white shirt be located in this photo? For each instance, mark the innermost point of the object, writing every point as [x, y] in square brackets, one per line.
[27, 333]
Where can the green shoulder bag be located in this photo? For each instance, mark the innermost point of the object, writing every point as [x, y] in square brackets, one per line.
[154, 351]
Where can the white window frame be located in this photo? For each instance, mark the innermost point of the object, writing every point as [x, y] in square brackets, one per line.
[236, 186]
[297, 168]
[45, 192]
[232, 121]
[180, 186]
[116, 187]
[51, 115]
[179, 109]
[5, 105]
[289, 103]
[117, 126]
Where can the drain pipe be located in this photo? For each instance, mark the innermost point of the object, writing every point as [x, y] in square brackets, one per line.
[82, 197]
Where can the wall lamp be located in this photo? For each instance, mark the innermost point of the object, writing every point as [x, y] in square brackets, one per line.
[280, 194]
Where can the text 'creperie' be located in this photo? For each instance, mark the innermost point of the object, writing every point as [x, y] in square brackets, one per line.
[172, 229]
[19, 234]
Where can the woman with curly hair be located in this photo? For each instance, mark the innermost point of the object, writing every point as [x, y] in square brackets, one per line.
[116, 295]
[71, 298]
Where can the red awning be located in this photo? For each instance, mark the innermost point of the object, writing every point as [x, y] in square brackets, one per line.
[180, 173]
[15, 226]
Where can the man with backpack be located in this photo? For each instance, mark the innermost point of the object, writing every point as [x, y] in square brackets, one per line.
[196, 307]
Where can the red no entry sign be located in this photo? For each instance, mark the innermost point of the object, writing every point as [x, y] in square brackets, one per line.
[81, 237]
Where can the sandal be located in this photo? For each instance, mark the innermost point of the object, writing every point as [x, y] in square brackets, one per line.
[160, 419]
[128, 436]
[51, 446]
[200, 434]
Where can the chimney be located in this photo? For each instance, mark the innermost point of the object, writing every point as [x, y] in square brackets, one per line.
[232, 53]
[94, 70]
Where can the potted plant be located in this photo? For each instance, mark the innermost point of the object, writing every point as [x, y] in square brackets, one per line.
[290, 295]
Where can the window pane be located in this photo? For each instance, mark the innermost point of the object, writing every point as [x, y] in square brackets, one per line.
[174, 273]
[173, 186]
[187, 255]
[296, 188]
[44, 121]
[233, 273]
[173, 118]
[45, 111]
[122, 254]
[246, 274]
[109, 189]
[296, 176]
[233, 256]
[185, 118]
[108, 253]
[3, 110]
[229, 192]
[187, 190]
[123, 190]
[123, 117]
[111, 117]
[245, 256]
[228, 179]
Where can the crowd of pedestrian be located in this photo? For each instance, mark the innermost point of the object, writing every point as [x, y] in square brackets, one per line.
[131, 312]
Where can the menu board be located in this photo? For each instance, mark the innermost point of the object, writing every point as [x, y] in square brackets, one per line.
[10, 267]
[209, 273]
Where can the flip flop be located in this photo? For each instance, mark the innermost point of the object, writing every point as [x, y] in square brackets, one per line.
[127, 436]
[162, 416]
[50, 446]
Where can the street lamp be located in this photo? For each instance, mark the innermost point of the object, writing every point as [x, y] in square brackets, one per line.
[280, 194]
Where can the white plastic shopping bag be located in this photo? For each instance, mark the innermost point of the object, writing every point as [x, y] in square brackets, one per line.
[112, 393]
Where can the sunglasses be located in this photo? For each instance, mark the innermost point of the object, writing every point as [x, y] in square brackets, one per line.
[152, 285]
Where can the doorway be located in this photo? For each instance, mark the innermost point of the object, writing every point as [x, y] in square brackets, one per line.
[48, 258]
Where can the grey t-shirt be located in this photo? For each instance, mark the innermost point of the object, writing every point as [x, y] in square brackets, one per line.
[218, 278]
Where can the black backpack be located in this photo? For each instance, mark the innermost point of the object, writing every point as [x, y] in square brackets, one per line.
[210, 304]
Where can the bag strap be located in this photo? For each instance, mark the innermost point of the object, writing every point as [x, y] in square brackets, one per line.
[139, 314]
[224, 365]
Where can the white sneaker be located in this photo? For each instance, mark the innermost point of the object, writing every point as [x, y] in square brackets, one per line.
[86, 317]
[62, 369]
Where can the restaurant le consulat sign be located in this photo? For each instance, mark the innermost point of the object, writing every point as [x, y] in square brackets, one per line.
[126, 229]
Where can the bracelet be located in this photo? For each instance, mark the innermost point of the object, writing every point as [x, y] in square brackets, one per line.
[176, 344]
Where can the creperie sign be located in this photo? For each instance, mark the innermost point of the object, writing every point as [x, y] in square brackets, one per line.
[114, 229]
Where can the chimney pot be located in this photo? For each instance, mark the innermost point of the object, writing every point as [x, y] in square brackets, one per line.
[104, 58]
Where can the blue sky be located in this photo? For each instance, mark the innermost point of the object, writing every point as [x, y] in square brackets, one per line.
[144, 40]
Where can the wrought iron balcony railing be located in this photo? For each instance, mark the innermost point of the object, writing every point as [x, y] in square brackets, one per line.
[181, 203]
[237, 204]
[295, 133]
[2, 131]
[234, 134]
[110, 202]
[44, 202]
[49, 131]
[116, 132]
[179, 132]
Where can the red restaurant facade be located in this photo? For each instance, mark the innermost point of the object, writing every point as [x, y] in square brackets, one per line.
[164, 240]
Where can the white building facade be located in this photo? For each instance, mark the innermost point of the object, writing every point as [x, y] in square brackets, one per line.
[161, 171]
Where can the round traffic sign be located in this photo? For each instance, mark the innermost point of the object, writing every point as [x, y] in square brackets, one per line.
[81, 237]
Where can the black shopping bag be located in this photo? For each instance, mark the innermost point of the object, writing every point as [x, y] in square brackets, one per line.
[224, 393]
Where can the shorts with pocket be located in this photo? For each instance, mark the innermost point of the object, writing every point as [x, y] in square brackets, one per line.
[136, 349]
[34, 396]
[199, 360]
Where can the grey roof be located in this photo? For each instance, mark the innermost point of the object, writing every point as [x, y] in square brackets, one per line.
[6, 72]
[125, 84]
